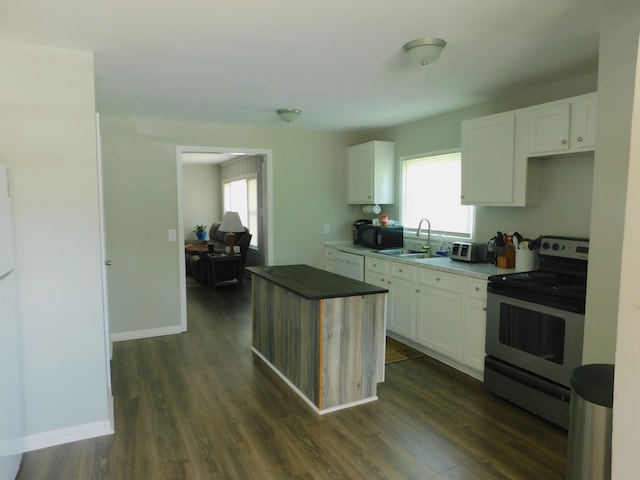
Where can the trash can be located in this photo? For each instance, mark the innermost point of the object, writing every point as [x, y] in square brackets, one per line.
[591, 412]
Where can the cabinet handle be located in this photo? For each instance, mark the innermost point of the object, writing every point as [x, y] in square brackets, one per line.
[563, 142]
[400, 270]
[437, 279]
[579, 139]
[477, 289]
[484, 309]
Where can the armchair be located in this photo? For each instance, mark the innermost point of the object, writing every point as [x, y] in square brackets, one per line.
[196, 266]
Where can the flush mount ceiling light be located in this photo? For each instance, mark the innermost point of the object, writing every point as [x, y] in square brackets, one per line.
[288, 114]
[424, 51]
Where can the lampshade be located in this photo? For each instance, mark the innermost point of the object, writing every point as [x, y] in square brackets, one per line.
[288, 114]
[424, 51]
[231, 223]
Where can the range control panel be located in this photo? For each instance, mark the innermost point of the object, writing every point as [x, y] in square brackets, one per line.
[566, 247]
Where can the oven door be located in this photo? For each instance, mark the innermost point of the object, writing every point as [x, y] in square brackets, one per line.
[540, 339]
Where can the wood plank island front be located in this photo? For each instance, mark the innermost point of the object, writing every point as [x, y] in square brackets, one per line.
[323, 333]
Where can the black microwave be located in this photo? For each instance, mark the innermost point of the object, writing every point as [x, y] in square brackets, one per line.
[378, 237]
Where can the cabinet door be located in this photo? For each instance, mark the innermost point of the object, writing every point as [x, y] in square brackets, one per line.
[401, 307]
[474, 324]
[488, 159]
[439, 319]
[548, 127]
[330, 259]
[360, 173]
[584, 112]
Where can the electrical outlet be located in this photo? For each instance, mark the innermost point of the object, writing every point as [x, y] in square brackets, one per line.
[327, 228]
[173, 235]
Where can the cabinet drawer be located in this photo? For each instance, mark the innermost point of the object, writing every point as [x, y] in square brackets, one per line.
[474, 288]
[376, 265]
[405, 272]
[441, 280]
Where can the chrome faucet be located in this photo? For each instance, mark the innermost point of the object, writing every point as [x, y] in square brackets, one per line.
[426, 248]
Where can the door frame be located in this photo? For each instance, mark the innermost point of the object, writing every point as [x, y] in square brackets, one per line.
[268, 166]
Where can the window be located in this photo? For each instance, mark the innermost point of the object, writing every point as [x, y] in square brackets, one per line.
[242, 196]
[431, 189]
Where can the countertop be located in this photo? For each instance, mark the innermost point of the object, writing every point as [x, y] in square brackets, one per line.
[312, 283]
[444, 264]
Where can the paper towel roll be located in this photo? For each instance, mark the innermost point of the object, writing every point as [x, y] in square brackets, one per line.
[371, 209]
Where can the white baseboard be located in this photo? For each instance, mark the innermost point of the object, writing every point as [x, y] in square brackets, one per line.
[152, 332]
[305, 398]
[66, 435]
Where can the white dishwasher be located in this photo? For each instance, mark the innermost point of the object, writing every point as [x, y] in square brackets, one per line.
[350, 265]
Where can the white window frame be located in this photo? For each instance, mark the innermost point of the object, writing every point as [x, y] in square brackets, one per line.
[442, 233]
[254, 230]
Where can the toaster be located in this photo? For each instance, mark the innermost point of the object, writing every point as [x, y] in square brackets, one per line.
[468, 252]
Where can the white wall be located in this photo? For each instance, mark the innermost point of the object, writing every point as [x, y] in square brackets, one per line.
[139, 157]
[616, 83]
[48, 140]
[621, 46]
[202, 197]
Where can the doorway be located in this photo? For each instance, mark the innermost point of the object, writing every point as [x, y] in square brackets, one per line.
[259, 160]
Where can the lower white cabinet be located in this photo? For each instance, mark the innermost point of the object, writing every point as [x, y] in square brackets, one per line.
[474, 321]
[330, 259]
[401, 304]
[439, 309]
[441, 313]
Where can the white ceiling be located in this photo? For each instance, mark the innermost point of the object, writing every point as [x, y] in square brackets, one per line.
[339, 61]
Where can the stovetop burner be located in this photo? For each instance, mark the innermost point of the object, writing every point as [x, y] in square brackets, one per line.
[550, 283]
[562, 273]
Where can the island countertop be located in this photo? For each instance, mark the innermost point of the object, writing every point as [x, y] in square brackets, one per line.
[312, 283]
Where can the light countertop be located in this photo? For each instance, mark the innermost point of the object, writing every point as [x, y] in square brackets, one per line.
[444, 264]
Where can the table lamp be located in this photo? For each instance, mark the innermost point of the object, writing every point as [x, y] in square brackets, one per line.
[231, 224]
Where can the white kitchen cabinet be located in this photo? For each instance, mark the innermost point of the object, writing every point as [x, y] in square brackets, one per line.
[401, 304]
[474, 320]
[488, 149]
[495, 172]
[370, 173]
[375, 273]
[330, 259]
[584, 113]
[439, 320]
[566, 126]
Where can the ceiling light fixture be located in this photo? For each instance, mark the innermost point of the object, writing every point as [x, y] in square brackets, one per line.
[288, 114]
[424, 51]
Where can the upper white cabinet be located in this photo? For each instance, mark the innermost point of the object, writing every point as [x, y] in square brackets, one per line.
[499, 164]
[567, 126]
[494, 170]
[370, 168]
[488, 146]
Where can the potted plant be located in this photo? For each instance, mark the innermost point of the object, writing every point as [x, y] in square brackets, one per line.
[201, 232]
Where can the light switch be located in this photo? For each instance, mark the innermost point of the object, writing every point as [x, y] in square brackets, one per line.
[173, 235]
[327, 228]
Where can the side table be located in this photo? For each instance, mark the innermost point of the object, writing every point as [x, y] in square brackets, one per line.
[225, 269]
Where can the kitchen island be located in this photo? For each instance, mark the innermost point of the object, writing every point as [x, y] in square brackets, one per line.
[323, 333]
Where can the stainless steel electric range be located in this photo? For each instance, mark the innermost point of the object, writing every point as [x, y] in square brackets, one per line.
[535, 329]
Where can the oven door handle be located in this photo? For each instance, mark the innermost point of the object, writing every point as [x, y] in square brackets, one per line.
[552, 389]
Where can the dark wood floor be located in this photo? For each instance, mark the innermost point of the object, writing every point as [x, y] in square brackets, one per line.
[202, 406]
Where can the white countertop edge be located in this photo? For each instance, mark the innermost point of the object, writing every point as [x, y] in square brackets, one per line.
[443, 264]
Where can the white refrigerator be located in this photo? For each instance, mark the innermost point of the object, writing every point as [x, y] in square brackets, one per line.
[11, 416]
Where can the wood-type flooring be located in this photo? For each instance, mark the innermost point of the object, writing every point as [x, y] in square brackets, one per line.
[201, 406]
